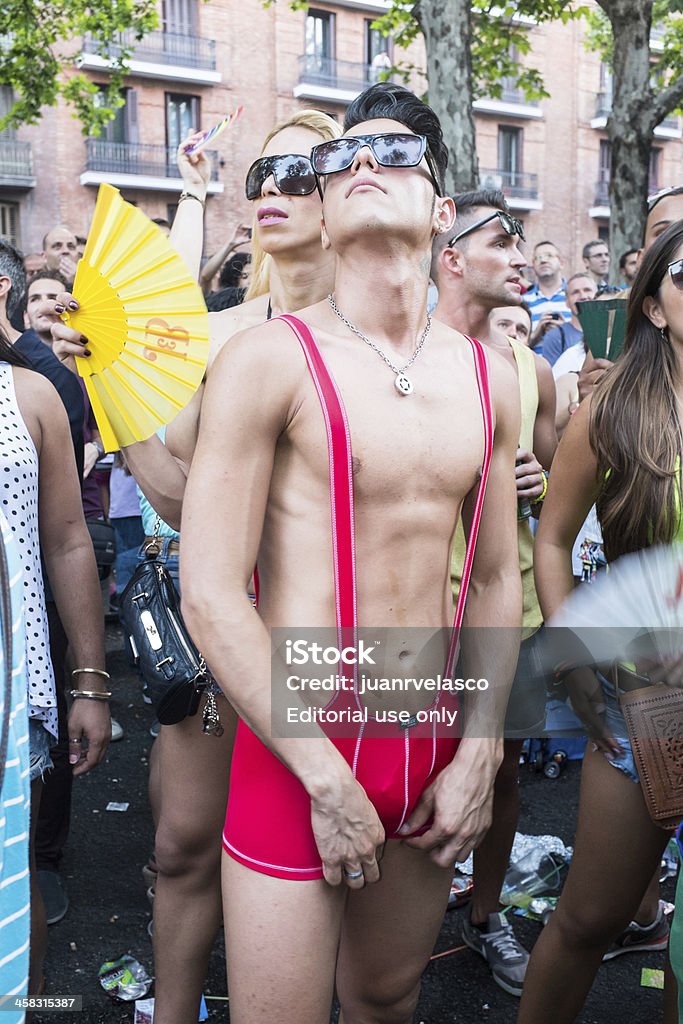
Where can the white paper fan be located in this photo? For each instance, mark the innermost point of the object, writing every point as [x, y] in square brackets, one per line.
[632, 612]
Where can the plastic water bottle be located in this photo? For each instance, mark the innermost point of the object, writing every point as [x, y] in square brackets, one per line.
[538, 872]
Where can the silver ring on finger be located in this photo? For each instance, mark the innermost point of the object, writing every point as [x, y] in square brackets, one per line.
[352, 875]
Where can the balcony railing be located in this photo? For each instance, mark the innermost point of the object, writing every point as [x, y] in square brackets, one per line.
[137, 158]
[337, 74]
[603, 108]
[169, 48]
[513, 184]
[16, 161]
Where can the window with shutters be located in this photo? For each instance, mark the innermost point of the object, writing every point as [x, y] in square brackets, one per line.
[179, 17]
[509, 151]
[123, 128]
[319, 40]
[6, 104]
[9, 223]
[182, 115]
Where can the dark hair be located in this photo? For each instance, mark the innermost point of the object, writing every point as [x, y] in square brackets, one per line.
[48, 275]
[546, 241]
[589, 246]
[467, 202]
[635, 431]
[8, 353]
[397, 103]
[12, 266]
[624, 256]
[232, 269]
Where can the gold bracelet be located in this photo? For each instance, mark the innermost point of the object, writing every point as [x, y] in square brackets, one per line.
[191, 195]
[539, 499]
[101, 695]
[91, 671]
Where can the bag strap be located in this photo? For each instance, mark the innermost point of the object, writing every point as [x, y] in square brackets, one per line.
[341, 486]
[563, 336]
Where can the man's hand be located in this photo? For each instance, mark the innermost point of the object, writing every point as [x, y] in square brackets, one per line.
[348, 834]
[195, 168]
[590, 373]
[546, 322]
[460, 802]
[529, 474]
[67, 267]
[88, 720]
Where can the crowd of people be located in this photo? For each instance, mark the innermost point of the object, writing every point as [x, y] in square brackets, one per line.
[390, 370]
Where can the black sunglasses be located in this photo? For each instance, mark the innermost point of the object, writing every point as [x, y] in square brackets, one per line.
[508, 223]
[293, 174]
[393, 149]
[676, 274]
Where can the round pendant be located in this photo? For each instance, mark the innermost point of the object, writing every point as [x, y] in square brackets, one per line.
[403, 384]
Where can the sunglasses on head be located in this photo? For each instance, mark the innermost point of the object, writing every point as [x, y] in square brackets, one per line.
[676, 274]
[670, 190]
[293, 174]
[509, 224]
[393, 149]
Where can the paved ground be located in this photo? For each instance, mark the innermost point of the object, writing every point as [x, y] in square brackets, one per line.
[109, 910]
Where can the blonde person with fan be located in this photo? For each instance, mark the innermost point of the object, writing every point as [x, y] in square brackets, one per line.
[622, 451]
[189, 771]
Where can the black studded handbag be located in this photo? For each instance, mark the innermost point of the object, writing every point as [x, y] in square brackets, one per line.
[174, 670]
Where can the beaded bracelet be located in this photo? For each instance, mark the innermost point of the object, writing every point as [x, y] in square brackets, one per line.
[539, 499]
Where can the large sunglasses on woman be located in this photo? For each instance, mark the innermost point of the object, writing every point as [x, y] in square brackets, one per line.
[392, 149]
[293, 174]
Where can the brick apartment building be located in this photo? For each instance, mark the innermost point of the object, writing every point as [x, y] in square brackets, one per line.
[551, 158]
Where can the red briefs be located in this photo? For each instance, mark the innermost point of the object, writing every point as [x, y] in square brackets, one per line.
[268, 820]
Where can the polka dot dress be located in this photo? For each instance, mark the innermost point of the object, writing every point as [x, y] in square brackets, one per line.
[19, 502]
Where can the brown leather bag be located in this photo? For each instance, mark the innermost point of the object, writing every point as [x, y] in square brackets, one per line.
[654, 717]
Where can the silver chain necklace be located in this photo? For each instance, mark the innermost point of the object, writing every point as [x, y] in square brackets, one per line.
[402, 383]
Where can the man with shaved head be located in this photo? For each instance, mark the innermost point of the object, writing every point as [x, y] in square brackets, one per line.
[60, 250]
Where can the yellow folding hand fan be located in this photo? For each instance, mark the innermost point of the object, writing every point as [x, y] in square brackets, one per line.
[145, 320]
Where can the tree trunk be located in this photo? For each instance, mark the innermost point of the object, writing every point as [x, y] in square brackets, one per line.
[631, 123]
[446, 26]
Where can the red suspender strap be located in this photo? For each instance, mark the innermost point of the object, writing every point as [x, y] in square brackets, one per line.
[341, 484]
[482, 374]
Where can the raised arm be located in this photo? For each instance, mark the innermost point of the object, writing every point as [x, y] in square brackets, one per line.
[226, 497]
[572, 490]
[187, 233]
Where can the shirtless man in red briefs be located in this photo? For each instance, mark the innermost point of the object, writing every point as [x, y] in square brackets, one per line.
[397, 426]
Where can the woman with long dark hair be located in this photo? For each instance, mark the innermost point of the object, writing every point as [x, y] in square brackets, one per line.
[621, 451]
